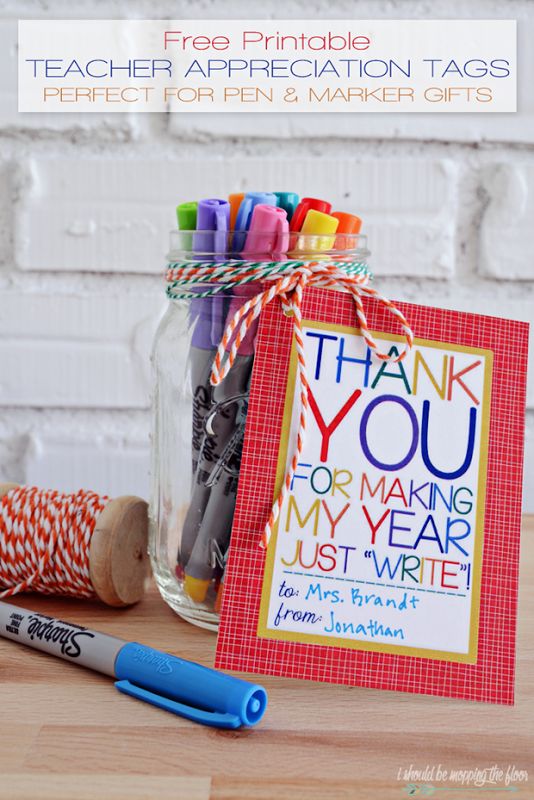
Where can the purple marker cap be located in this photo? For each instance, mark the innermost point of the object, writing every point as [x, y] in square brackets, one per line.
[211, 237]
[213, 223]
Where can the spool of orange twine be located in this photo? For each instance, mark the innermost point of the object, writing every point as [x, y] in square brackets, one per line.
[81, 544]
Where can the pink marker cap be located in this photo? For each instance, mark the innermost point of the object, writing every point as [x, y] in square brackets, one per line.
[268, 235]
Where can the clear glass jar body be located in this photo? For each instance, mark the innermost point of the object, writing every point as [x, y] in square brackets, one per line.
[197, 436]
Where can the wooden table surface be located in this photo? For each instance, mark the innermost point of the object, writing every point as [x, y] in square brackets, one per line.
[67, 733]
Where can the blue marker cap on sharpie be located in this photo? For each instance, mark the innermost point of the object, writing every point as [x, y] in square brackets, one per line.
[187, 689]
[173, 684]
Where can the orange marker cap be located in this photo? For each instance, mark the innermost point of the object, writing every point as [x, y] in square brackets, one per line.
[348, 223]
[235, 202]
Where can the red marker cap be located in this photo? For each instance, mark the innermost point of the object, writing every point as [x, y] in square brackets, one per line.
[302, 209]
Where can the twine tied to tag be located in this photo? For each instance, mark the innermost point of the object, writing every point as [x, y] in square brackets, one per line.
[287, 281]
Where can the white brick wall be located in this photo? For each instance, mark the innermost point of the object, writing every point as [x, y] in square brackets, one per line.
[86, 203]
[104, 465]
[111, 126]
[76, 351]
[507, 230]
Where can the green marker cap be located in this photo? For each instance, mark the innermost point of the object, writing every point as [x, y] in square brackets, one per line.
[186, 213]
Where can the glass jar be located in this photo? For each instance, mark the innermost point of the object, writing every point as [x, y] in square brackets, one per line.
[198, 430]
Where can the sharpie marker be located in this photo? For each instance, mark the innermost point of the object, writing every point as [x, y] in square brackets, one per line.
[197, 693]
[267, 238]
[208, 316]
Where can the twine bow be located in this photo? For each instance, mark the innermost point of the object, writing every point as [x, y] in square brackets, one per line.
[287, 282]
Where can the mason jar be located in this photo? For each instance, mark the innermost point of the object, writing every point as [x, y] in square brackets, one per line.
[198, 429]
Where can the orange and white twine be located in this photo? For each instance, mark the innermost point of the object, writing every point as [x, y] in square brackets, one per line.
[44, 541]
[289, 288]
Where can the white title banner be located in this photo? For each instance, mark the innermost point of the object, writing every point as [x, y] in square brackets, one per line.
[267, 65]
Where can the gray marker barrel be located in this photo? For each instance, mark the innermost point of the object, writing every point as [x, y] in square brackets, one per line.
[212, 448]
[216, 521]
[65, 640]
[201, 361]
[207, 316]
[200, 368]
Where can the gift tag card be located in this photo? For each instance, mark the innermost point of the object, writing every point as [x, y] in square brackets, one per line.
[394, 561]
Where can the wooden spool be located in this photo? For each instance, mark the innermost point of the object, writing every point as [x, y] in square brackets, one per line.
[118, 557]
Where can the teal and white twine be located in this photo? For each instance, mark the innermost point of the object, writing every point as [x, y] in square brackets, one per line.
[224, 275]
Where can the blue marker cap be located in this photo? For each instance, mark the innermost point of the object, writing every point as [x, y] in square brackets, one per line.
[244, 215]
[288, 201]
[197, 693]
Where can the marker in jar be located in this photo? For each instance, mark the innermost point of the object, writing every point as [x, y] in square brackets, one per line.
[207, 316]
[267, 238]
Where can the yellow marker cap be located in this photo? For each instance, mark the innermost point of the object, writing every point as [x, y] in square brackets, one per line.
[315, 225]
[196, 588]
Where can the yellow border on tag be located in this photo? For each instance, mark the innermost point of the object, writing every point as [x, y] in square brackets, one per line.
[263, 632]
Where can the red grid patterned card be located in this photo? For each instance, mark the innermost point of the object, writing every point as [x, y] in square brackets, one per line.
[394, 563]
